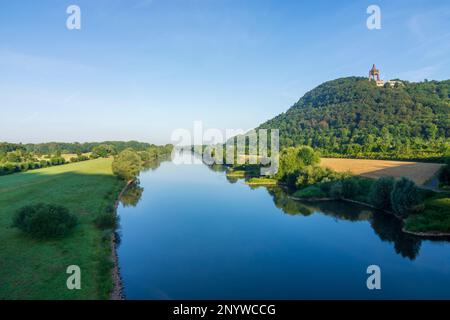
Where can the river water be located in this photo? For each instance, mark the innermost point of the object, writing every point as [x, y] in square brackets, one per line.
[189, 232]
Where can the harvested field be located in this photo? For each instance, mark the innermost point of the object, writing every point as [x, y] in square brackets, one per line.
[419, 172]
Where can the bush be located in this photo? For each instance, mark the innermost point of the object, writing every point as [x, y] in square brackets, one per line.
[106, 220]
[310, 192]
[444, 175]
[56, 161]
[406, 198]
[44, 163]
[44, 220]
[336, 190]
[380, 193]
[350, 188]
[312, 174]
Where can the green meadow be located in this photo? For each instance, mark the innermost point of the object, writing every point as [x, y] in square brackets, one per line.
[36, 269]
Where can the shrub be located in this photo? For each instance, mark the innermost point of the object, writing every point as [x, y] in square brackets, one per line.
[106, 220]
[444, 175]
[336, 190]
[310, 192]
[312, 174]
[380, 193]
[350, 188]
[406, 198]
[56, 161]
[44, 163]
[44, 220]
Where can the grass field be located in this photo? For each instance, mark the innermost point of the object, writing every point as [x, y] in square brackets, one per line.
[36, 269]
[420, 173]
[435, 218]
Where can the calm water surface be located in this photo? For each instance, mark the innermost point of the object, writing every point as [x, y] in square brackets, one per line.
[189, 232]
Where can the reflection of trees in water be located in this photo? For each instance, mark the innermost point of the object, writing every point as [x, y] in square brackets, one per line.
[132, 196]
[288, 205]
[155, 163]
[232, 179]
[217, 168]
[388, 228]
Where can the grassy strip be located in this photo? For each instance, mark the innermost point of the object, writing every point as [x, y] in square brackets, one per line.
[33, 269]
[435, 217]
[262, 182]
[236, 174]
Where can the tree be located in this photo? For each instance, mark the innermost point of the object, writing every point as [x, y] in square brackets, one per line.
[103, 150]
[406, 198]
[294, 159]
[380, 193]
[127, 165]
[307, 156]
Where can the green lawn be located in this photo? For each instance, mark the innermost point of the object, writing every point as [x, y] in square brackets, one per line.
[36, 269]
[262, 182]
[435, 218]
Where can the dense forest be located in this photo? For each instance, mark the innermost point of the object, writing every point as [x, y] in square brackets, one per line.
[352, 117]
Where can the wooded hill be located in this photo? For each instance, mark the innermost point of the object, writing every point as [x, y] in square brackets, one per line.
[352, 117]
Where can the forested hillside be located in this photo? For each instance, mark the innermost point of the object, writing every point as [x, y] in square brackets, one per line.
[352, 117]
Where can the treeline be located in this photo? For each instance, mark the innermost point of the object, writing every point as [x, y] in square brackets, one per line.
[23, 157]
[55, 147]
[352, 117]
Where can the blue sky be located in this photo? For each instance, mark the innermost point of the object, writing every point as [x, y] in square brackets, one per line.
[138, 69]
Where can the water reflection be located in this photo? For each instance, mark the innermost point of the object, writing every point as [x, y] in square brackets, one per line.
[155, 163]
[132, 196]
[195, 236]
[388, 228]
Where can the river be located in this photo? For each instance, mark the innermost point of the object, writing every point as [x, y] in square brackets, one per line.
[189, 232]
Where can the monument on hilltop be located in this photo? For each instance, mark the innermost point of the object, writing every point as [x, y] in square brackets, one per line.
[375, 75]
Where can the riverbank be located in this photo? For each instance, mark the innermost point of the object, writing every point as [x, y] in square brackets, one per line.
[117, 292]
